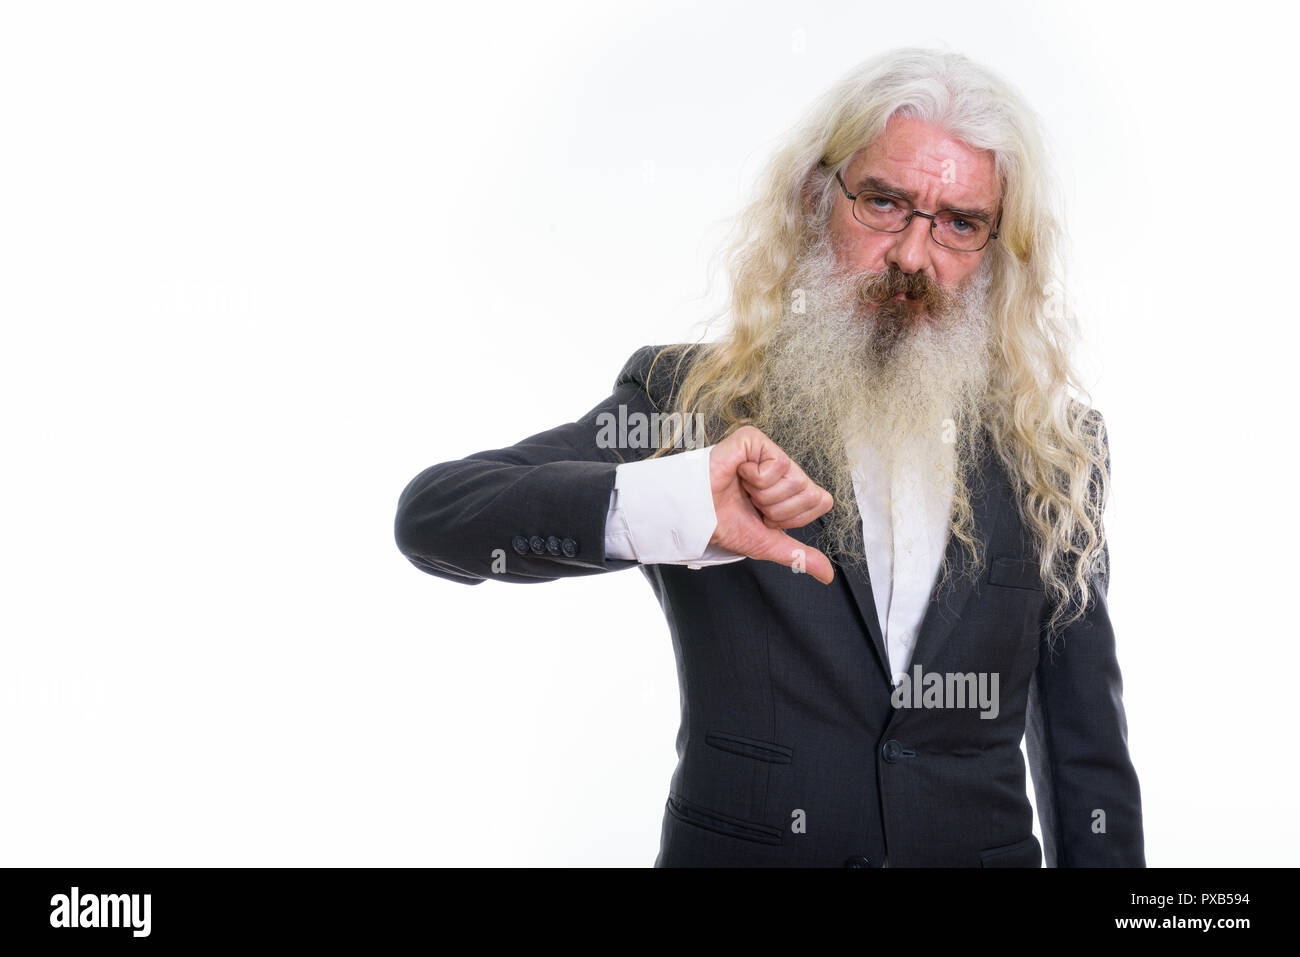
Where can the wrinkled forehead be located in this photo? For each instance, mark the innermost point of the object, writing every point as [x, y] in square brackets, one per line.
[922, 159]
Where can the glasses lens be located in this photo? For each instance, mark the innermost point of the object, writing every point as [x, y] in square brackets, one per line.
[881, 211]
[959, 232]
[951, 229]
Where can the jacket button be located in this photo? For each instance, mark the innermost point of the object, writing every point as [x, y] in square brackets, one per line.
[857, 862]
[537, 545]
[570, 547]
[892, 751]
[520, 544]
[552, 544]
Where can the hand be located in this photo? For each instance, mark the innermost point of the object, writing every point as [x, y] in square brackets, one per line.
[757, 491]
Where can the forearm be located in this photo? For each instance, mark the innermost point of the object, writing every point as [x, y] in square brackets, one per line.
[480, 518]
[533, 511]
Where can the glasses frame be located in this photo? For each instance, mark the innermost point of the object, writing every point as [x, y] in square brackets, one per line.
[853, 200]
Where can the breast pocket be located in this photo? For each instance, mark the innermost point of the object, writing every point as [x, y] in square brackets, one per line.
[1009, 572]
[1019, 595]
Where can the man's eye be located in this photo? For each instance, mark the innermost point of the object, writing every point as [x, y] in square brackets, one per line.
[962, 225]
[882, 203]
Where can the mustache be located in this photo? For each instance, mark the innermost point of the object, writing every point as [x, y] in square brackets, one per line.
[877, 288]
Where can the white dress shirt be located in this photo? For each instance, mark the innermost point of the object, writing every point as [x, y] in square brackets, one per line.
[661, 512]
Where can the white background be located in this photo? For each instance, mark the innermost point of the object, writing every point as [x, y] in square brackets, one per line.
[261, 263]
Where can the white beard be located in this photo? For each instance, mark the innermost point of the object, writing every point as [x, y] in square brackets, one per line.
[842, 370]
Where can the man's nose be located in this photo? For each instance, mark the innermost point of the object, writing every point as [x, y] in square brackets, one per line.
[910, 250]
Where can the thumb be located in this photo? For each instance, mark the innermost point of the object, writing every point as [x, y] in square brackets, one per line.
[776, 546]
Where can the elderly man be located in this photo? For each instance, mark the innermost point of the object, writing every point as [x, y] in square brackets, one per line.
[871, 510]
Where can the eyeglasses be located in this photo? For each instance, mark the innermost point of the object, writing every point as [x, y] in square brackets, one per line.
[949, 228]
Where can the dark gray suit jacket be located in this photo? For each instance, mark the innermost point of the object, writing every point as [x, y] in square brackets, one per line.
[790, 752]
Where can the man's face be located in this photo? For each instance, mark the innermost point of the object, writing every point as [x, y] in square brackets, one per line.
[933, 171]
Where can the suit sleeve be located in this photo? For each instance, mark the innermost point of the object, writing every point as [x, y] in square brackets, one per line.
[1077, 741]
[534, 511]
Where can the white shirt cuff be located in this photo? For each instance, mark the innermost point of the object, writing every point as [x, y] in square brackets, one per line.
[661, 512]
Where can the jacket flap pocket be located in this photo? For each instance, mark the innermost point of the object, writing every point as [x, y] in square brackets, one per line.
[721, 823]
[749, 747]
[1026, 853]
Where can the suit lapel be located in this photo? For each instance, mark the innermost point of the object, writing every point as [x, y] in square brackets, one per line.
[945, 607]
[858, 579]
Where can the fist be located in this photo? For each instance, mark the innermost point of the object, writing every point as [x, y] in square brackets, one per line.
[758, 491]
